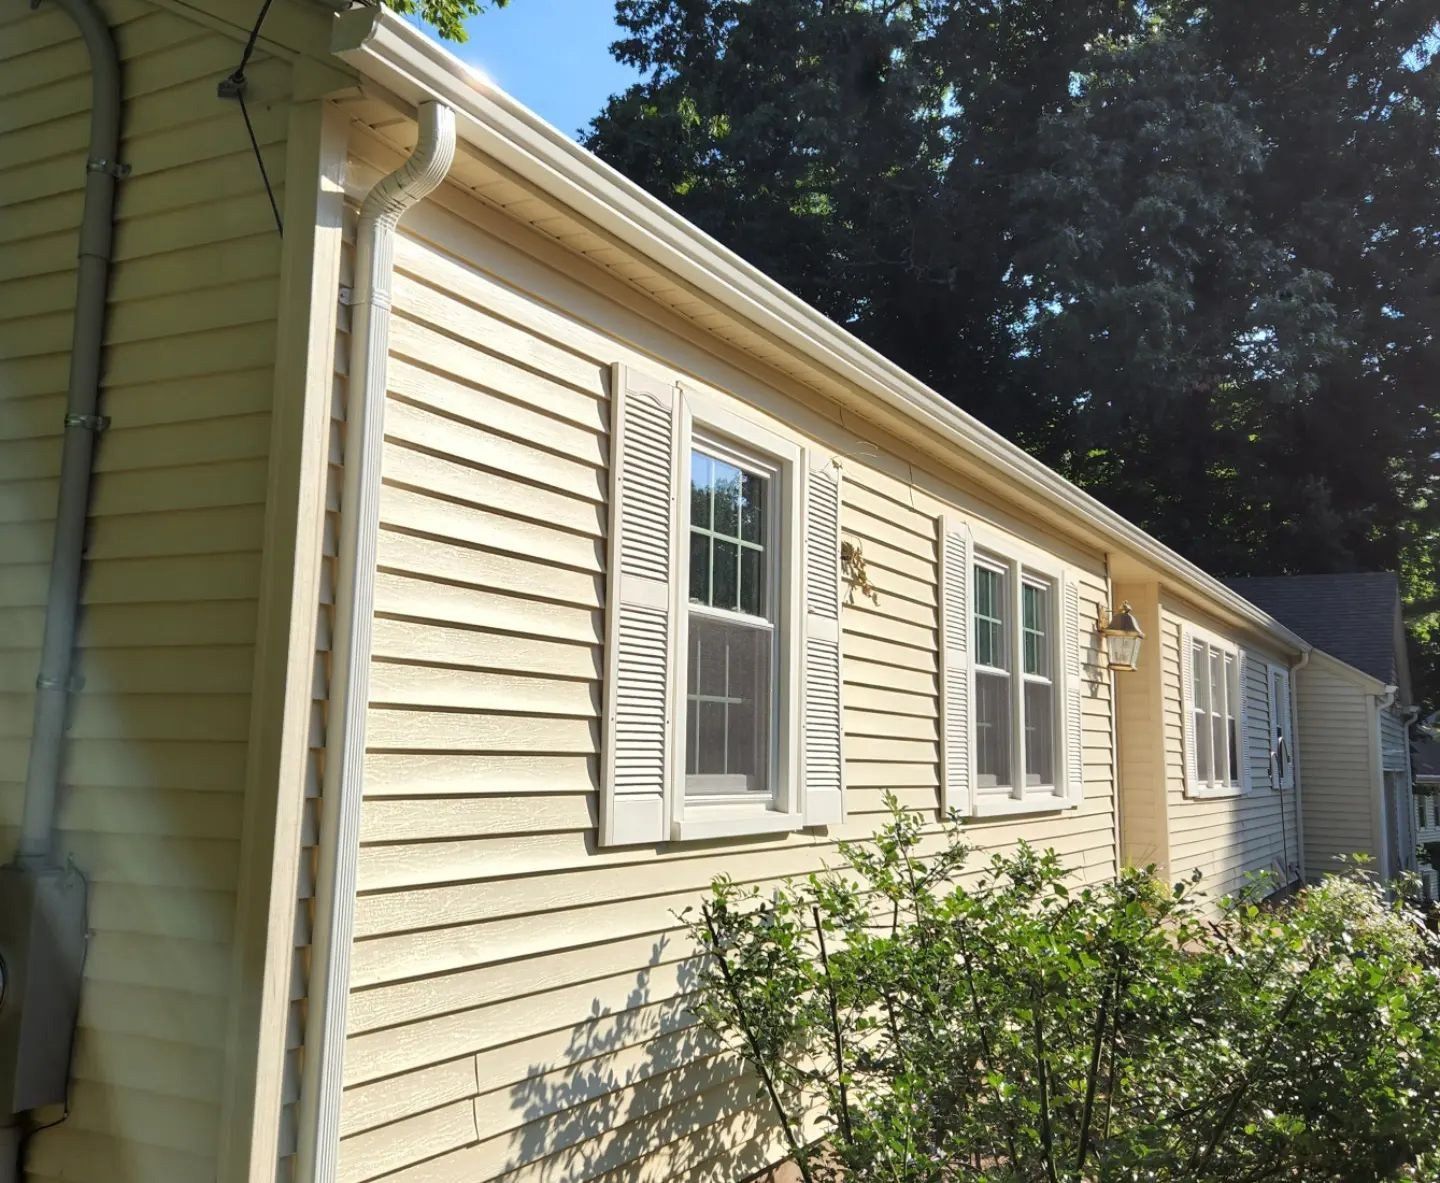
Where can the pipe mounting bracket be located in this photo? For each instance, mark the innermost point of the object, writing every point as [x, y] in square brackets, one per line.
[95, 423]
[113, 167]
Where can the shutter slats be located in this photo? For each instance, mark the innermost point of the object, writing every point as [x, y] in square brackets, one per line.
[1074, 716]
[640, 659]
[956, 773]
[1242, 721]
[1187, 705]
[822, 760]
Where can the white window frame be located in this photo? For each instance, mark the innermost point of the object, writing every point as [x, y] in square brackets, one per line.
[1282, 723]
[1232, 667]
[1019, 564]
[709, 424]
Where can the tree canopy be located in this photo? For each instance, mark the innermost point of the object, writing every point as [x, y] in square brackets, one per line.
[1186, 253]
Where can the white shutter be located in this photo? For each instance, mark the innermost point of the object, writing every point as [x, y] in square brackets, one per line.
[1072, 715]
[640, 625]
[1187, 709]
[821, 758]
[956, 670]
[1242, 721]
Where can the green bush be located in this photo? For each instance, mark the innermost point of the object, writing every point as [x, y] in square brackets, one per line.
[908, 1027]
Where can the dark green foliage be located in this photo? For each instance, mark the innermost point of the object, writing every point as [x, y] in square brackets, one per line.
[1014, 1028]
[1189, 254]
[447, 17]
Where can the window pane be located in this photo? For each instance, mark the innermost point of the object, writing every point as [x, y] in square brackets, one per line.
[1202, 746]
[752, 508]
[1035, 602]
[700, 568]
[727, 499]
[1217, 685]
[1234, 754]
[728, 726]
[726, 575]
[1222, 757]
[1039, 733]
[992, 730]
[700, 480]
[752, 569]
[1200, 690]
[990, 648]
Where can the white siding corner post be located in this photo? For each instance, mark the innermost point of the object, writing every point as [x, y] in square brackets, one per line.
[329, 985]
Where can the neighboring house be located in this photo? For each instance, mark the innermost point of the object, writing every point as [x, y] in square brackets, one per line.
[1354, 703]
[1425, 770]
[447, 627]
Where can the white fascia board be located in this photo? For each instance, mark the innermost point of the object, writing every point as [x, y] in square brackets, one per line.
[402, 59]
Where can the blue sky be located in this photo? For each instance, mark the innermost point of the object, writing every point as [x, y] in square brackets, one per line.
[552, 55]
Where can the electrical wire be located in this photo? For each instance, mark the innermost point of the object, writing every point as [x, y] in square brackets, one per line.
[260, 160]
[234, 86]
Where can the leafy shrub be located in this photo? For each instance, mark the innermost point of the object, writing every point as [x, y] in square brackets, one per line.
[909, 1027]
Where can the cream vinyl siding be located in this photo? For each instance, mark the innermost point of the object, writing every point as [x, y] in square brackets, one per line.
[1140, 740]
[1337, 767]
[517, 1005]
[155, 758]
[1225, 837]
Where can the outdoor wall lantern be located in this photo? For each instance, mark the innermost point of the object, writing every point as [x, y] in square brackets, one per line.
[1123, 636]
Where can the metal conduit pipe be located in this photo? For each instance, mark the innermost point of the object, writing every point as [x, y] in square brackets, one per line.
[82, 425]
[42, 905]
[343, 786]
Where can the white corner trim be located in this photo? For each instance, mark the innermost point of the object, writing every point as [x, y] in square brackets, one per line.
[407, 63]
[329, 986]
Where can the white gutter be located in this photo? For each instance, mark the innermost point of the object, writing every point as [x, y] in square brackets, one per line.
[402, 59]
[319, 1133]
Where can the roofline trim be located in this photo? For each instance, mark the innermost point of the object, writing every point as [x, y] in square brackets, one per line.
[401, 58]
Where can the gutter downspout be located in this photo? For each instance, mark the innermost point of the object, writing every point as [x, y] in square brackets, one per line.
[1294, 708]
[82, 425]
[1381, 815]
[343, 790]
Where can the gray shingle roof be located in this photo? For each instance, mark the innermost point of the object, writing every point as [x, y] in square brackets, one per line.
[1351, 617]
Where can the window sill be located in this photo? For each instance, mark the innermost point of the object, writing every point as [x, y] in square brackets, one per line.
[732, 822]
[1011, 807]
[1214, 792]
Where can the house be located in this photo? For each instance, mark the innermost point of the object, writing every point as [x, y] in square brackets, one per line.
[1425, 771]
[471, 574]
[1354, 702]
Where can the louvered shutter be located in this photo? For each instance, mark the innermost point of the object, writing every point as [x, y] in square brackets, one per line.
[1073, 722]
[821, 759]
[1187, 710]
[640, 625]
[1242, 720]
[956, 716]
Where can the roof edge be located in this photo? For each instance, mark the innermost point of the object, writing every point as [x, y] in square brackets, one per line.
[401, 58]
[1367, 682]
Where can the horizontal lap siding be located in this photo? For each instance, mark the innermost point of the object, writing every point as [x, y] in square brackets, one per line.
[1336, 768]
[1225, 839]
[155, 757]
[517, 1007]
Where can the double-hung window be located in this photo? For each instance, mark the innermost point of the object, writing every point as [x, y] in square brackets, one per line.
[722, 676]
[1214, 734]
[731, 621]
[1011, 686]
[1282, 737]
[1016, 715]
